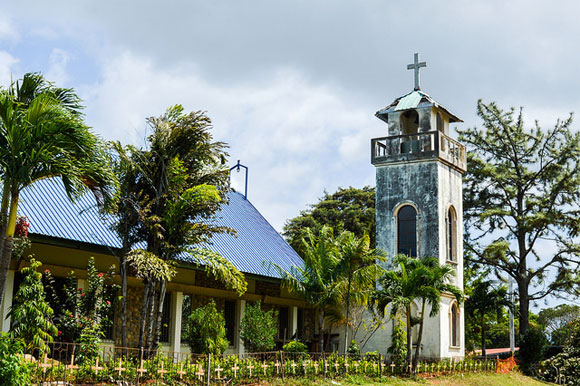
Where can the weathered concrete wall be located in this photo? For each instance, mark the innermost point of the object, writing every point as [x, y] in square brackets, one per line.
[432, 187]
[414, 183]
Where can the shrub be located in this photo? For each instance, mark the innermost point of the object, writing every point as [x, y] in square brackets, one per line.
[353, 350]
[206, 330]
[295, 346]
[372, 356]
[567, 363]
[83, 311]
[31, 312]
[398, 348]
[14, 370]
[532, 346]
[259, 328]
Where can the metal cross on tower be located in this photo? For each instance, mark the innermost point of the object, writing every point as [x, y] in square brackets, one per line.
[416, 65]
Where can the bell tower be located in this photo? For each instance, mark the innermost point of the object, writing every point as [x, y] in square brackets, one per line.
[419, 207]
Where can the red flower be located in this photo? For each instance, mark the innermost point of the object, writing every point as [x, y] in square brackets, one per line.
[59, 333]
[71, 315]
[83, 294]
[80, 289]
[100, 274]
[108, 302]
[47, 271]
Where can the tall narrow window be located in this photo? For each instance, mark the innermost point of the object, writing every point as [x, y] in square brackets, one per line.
[454, 325]
[451, 221]
[407, 231]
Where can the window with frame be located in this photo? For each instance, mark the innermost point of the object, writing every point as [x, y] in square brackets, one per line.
[455, 325]
[451, 225]
[407, 231]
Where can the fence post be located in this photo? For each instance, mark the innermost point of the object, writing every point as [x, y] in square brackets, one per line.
[209, 369]
[324, 362]
[282, 362]
[380, 367]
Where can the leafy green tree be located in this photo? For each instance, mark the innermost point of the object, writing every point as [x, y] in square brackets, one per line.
[421, 279]
[523, 186]
[30, 312]
[42, 135]
[348, 209]
[484, 300]
[557, 321]
[206, 330]
[258, 328]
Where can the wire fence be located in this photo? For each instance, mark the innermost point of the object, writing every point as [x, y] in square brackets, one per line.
[74, 363]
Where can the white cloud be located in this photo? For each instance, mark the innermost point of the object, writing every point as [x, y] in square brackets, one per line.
[57, 66]
[292, 134]
[7, 30]
[7, 63]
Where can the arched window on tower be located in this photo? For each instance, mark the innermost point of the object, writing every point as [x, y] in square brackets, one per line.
[455, 325]
[409, 122]
[407, 231]
[451, 231]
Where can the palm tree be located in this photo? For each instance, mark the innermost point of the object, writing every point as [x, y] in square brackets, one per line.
[436, 283]
[357, 272]
[42, 135]
[315, 281]
[484, 300]
[169, 195]
[412, 279]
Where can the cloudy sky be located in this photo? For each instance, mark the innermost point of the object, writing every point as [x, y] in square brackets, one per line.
[293, 86]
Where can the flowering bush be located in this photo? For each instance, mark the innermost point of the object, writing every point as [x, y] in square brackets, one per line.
[83, 313]
[22, 226]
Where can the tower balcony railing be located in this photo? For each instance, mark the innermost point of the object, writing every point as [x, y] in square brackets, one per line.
[409, 147]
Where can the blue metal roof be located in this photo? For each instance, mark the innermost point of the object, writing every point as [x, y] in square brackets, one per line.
[52, 214]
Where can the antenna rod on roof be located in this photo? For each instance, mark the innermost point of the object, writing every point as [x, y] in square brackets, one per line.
[237, 167]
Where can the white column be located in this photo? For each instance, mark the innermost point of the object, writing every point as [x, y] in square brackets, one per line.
[242, 311]
[175, 318]
[6, 303]
[293, 327]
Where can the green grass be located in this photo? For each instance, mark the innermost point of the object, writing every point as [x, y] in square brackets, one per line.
[487, 379]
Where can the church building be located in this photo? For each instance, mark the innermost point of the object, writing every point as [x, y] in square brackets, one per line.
[419, 212]
[419, 209]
